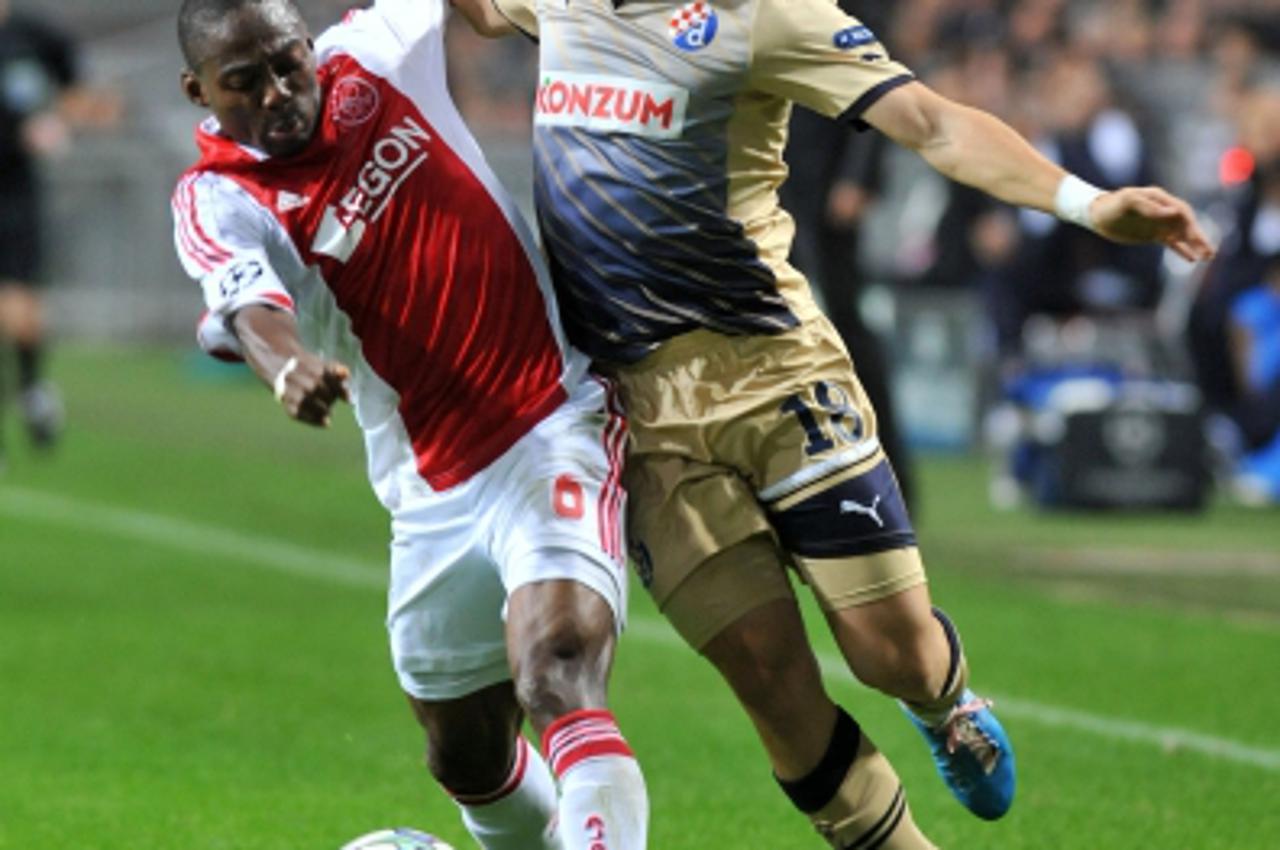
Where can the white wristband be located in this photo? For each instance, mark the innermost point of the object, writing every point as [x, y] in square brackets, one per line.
[278, 384]
[1073, 200]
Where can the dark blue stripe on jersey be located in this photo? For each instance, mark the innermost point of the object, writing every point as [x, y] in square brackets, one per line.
[860, 516]
[853, 115]
[640, 246]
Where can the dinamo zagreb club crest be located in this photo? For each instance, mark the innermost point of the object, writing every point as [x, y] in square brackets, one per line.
[693, 26]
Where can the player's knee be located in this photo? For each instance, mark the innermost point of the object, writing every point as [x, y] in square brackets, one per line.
[560, 667]
[909, 680]
[907, 669]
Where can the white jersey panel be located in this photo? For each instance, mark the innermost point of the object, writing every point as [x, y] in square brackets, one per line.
[262, 266]
[224, 241]
[383, 36]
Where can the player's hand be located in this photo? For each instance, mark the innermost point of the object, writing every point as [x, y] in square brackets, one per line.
[1150, 215]
[308, 386]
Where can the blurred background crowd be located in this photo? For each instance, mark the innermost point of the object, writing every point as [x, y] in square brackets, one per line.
[968, 320]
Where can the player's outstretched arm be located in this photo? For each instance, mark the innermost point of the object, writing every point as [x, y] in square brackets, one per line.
[307, 385]
[976, 148]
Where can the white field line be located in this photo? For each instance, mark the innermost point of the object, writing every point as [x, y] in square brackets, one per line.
[216, 542]
[1168, 739]
[186, 536]
[1148, 561]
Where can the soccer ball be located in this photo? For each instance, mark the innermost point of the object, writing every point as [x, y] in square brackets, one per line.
[401, 838]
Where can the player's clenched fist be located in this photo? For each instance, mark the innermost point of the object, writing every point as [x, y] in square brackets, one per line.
[308, 386]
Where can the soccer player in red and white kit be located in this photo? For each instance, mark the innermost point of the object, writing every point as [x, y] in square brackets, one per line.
[352, 243]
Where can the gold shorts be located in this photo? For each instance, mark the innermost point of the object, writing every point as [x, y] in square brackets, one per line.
[738, 436]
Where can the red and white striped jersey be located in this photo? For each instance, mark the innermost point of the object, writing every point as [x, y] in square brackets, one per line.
[400, 254]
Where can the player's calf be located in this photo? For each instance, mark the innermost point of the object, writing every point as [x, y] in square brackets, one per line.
[913, 667]
[560, 637]
[520, 813]
[502, 787]
[604, 804]
[970, 748]
[933, 711]
[854, 798]
[471, 740]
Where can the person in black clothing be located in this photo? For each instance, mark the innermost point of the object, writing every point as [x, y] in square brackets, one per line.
[1250, 251]
[38, 76]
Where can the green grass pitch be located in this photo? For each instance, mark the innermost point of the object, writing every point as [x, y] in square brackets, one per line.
[192, 654]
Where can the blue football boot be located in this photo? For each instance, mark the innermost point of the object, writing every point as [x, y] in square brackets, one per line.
[974, 756]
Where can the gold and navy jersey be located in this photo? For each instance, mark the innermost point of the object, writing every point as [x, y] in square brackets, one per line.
[658, 138]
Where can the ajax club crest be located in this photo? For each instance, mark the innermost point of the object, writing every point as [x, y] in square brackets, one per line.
[693, 26]
[353, 102]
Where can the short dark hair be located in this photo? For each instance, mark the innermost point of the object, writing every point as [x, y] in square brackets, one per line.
[197, 17]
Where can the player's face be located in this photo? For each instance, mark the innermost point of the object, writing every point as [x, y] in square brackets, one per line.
[258, 78]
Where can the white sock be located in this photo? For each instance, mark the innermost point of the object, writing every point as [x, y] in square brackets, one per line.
[521, 814]
[603, 801]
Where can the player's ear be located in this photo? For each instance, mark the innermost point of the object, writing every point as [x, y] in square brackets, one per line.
[192, 88]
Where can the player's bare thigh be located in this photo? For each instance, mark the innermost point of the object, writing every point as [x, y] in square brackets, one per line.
[739, 611]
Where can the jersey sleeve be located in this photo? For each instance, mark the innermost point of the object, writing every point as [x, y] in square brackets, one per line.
[221, 238]
[811, 52]
[406, 23]
[523, 14]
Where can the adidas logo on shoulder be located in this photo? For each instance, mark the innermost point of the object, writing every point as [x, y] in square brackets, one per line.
[289, 201]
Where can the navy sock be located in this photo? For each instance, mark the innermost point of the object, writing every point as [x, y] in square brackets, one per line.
[812, 792]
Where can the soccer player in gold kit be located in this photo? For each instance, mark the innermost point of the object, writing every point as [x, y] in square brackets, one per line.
[658, 138]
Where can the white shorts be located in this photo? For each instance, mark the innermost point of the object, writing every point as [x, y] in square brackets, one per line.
[551, 507]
